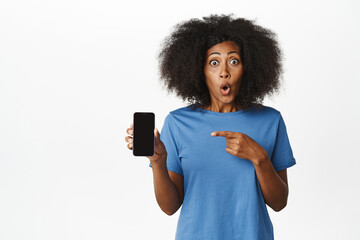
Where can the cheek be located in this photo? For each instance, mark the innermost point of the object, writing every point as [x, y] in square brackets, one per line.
[237, 74]
[210, 84]
[238, 70]
[210, 72]
[210, 76]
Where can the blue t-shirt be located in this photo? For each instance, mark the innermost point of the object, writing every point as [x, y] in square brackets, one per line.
[222, 195]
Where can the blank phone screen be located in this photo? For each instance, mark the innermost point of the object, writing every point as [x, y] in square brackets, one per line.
[143, 138]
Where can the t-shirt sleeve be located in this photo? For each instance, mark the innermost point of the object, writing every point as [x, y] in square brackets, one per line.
[282, 155]
[168, 136]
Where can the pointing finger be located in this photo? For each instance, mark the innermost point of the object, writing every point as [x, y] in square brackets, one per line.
[223, 134]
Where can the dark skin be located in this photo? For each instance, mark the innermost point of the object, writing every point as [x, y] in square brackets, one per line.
[168, 185]
[223, 64]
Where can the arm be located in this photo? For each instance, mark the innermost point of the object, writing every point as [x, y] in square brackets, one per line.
[166, 192]
[168, 185]
[274, 186]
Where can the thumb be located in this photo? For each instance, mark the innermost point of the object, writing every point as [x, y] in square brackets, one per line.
[159, 145]
[157, 136]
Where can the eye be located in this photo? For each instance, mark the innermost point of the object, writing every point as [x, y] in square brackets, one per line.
[234, 61]
[213, 62]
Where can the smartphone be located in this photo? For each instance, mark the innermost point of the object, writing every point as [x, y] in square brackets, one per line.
[143, 134]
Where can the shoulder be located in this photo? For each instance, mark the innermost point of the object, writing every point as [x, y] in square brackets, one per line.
[174, 116]
[266, 111]
[181, 112]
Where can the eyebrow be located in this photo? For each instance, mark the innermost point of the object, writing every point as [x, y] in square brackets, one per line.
[220, 54]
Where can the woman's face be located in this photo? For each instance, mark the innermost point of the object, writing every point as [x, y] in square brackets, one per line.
[223, 66]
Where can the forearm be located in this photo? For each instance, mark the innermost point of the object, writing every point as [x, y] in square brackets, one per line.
[273, 188]
[166, 193]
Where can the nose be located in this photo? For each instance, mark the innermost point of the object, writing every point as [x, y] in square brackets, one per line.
[224, 72]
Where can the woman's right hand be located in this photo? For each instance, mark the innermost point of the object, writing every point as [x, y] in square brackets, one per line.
[160, 154]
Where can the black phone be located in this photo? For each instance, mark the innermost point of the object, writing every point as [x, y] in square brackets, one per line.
[143, 134]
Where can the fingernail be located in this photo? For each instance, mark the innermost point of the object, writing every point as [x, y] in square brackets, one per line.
[212, 134]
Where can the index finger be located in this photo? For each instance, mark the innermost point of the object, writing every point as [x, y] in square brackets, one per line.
[228, 134]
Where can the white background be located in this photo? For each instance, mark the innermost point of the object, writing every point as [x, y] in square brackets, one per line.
[72, 73]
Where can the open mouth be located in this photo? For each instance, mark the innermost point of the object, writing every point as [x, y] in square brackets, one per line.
[225, 89]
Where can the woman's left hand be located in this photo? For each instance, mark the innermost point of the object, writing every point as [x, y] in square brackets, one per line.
[242, 146]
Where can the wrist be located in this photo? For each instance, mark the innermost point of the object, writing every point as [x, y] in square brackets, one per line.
[160, 161]
[261, 160]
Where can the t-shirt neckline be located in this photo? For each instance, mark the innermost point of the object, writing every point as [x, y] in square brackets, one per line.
[201, 110]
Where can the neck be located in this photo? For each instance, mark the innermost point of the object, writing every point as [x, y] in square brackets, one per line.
[224, 108]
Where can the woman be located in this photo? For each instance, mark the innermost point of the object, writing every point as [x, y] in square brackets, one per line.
[224, 157]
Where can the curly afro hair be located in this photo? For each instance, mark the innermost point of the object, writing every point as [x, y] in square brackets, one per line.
[182, 58]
